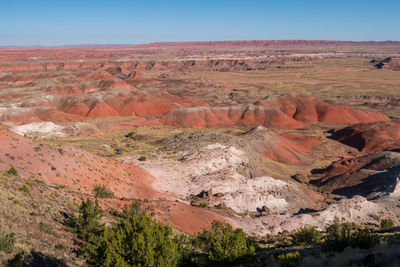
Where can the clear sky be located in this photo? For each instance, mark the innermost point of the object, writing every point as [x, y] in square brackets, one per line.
[57, 22]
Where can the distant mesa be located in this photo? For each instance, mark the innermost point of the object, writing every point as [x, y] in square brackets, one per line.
[263, 43]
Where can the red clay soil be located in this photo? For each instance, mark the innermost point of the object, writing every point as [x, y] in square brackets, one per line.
[74, 168]
[311, 110]
[284, 148]
[229, 116]
[189, 219]
[370, 137]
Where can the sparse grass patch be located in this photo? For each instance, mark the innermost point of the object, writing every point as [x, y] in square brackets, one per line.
[7, 242]
[47, 228]
[16, 201]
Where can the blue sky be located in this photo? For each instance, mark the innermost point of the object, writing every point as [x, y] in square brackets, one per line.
[41, 22]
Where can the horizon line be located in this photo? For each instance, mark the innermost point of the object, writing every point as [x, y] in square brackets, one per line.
[198, 42]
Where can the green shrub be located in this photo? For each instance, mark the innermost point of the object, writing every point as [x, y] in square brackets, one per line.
[61, 151]
[59, 246]
[102, 191]
[129, 135]
[386, 224]
[289, 259]
[87, 223]
[203, 205]
[17, 261]
[133, 209]
[307, 236]
[223, 244]
[363, 238]
[135, 241]
[338, 236]
[25, 188]
[142, 158]
[12, 171]
[7, 242]
[342, 235]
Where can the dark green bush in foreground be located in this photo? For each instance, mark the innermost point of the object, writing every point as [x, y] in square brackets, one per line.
[342, 235]
[87, 223]
[135, 241]
[306, 236]
[224, 244]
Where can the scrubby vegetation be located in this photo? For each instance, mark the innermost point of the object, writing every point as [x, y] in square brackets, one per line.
[342, 235]
[12, 171]
[142, 158]
[387, 224]
[102, 191]
[307, 236]
[87, 223]
[224, 244]
[136, 240]
[289, 259]
[7, 242]
[129, 135]
[131, 238]
[25, 188]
